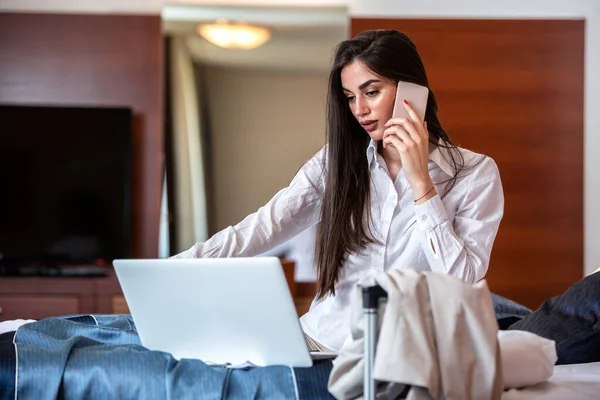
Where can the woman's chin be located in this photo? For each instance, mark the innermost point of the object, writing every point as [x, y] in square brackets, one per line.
[376, 135]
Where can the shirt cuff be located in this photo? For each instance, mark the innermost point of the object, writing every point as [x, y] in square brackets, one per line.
[431, 213]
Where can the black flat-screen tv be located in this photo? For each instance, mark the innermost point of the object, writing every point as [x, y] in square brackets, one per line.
[65, 184]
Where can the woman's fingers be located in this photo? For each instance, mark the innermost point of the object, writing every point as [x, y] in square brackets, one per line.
[394, 141]
[413, 115]
[401, 135]
[408, 125]
[408, 128]
[415, 118]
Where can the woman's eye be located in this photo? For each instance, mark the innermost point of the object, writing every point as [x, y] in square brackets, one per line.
[350, 98]
[372, 93]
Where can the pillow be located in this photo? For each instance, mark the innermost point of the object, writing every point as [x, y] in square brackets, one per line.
[572, 320]
[527, 359]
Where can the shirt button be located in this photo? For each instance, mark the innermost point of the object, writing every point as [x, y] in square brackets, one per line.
[423, 218]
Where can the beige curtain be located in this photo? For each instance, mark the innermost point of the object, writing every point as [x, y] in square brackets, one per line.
[189, 189]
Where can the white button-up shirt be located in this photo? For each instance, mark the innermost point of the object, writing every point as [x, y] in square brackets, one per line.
[453, 235]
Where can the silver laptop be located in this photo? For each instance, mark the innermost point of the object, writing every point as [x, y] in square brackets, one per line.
[221, 311]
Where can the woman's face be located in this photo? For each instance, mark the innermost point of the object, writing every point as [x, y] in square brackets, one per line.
[370, 97]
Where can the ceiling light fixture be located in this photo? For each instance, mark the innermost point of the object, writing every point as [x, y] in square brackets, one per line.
[234, 35]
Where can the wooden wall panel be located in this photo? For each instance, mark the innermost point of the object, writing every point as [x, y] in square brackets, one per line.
[513, 89]
[95, 60]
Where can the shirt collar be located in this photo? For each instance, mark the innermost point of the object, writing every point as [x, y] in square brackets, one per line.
[372, 153]
[437, 154]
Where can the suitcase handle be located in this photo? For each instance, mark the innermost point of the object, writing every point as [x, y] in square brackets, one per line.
[370, 296]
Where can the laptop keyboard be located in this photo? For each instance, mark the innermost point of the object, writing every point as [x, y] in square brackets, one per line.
[313, 345]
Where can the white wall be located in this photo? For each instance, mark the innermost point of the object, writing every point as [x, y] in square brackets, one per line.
[265, 124]
[147, 6]
[84, 6]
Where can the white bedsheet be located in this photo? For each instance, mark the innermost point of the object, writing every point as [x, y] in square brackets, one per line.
[13, 324]
[569, 382]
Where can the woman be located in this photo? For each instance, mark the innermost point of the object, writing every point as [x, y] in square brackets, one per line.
[386, 193]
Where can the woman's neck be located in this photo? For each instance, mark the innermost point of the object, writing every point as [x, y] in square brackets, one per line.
[392, 159]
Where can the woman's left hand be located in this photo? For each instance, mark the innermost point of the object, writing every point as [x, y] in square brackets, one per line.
[411, 140]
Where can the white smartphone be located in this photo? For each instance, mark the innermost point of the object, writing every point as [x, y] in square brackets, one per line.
[416, 95]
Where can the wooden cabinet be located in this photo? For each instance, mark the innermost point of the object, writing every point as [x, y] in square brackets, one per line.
[42, 297]
[37, 306]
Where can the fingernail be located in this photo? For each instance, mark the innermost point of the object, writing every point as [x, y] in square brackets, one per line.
[405, 102]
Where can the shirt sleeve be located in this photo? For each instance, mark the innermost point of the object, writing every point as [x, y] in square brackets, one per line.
[462, 247]
[290, 211]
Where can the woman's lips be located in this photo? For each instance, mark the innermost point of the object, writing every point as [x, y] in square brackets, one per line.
[369, 126]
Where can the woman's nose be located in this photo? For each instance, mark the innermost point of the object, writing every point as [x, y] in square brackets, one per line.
[360, 108]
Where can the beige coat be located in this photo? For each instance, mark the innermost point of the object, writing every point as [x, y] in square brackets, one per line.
[436, 334]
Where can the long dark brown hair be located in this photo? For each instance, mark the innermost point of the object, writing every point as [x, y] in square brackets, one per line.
[346, 218]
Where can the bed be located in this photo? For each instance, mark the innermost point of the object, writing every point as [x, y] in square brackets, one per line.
[99, 356]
